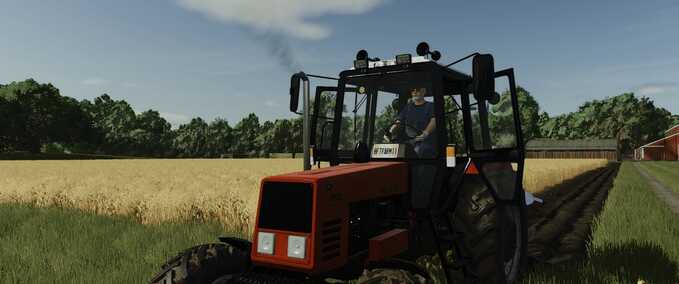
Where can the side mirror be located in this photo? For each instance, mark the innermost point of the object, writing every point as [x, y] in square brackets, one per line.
[483, 72]
[494, 98]
[294, 91]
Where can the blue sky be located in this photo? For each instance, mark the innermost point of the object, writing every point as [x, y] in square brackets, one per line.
[211, 58]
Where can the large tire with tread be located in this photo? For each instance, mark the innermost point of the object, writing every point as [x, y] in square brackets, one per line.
[204, 264]
[391, 276]
[493, 234]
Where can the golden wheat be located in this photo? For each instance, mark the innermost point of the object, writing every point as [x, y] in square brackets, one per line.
[179, 190]
[542, 173]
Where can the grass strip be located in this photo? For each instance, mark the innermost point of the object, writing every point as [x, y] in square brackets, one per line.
[56, 245]
[634, 238]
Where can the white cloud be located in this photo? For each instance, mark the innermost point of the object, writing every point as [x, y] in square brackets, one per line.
[175, 119]
[292, 17]
[94, 81]
[655, 88]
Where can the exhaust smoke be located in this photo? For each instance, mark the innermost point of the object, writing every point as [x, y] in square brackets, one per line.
[278, 47]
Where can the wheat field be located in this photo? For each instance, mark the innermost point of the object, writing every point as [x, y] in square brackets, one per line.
[152, 191]
[542, 173]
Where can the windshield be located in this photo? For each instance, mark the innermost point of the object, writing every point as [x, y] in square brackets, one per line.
[391, 109]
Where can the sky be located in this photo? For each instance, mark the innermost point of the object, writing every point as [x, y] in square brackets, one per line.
[228, 58]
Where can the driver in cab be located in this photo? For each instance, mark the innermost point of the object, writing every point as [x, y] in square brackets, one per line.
[417, 117]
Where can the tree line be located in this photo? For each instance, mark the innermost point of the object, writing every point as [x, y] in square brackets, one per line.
[633, 121]
[35, 117]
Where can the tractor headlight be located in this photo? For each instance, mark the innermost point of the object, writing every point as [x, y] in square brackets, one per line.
[296, 247]
[265, 242]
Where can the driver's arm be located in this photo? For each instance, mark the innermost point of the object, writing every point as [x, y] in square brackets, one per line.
[431, 126]
[399, 119]
[396, 124]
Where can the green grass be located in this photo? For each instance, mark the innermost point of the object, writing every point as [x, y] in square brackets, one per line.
[54, 245]
[635, 237]
[666, 172]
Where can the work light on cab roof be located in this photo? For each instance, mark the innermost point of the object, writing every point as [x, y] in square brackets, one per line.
[424, 55]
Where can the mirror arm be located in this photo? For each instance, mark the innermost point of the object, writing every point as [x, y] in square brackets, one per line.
[461, 59]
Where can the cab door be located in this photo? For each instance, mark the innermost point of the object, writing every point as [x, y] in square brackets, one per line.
[497, 152]
[322, 119]
[353, 129]
[497, 147]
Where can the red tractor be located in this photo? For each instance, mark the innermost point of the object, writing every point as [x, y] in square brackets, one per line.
[423, 160]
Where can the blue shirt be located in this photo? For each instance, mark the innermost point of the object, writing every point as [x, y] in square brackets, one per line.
[417, 116]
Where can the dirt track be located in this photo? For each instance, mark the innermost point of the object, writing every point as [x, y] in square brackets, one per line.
[660, 190]
[559, 229]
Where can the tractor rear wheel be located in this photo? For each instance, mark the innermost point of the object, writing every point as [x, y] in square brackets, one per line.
[204, 264]
[493, 235]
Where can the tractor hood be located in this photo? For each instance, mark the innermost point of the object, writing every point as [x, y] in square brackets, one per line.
[303, 217]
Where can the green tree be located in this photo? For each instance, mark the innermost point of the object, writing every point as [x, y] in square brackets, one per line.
[5, 125]
[220, 138]
[633, 121]
[529, 109]
[36, 114]
[282, 134]
[152, 135]
[246, 132]
[383, 120]
[190, 139]
[265, 139]
[295, 141]
[116, 120]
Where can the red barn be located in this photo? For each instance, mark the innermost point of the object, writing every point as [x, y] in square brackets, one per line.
[662, 149]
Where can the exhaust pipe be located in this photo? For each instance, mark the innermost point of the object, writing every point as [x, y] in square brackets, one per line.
[306, 122]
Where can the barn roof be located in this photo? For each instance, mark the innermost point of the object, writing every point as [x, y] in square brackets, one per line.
[671, 128]
[657, 141]
[574, 144]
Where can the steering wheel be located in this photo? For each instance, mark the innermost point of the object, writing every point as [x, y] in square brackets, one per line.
[402, 136]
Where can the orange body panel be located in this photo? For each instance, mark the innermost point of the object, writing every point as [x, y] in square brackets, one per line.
[388, 244]
[334, 189]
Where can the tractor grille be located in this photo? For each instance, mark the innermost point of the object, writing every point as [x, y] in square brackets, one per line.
[286, 207]
[330, 239]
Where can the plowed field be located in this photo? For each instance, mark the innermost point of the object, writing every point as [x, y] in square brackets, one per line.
[559, 229]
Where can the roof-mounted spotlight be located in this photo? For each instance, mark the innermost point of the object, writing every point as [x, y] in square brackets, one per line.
[423, 49]
[362, 59]
[405, 58]
[362, 54]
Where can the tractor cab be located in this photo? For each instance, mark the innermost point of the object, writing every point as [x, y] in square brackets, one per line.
[372, 114]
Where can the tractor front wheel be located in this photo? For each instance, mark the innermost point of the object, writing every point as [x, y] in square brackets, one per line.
[494, 235]
[204, 264]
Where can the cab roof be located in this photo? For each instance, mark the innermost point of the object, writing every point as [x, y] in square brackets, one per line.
[399, 78]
